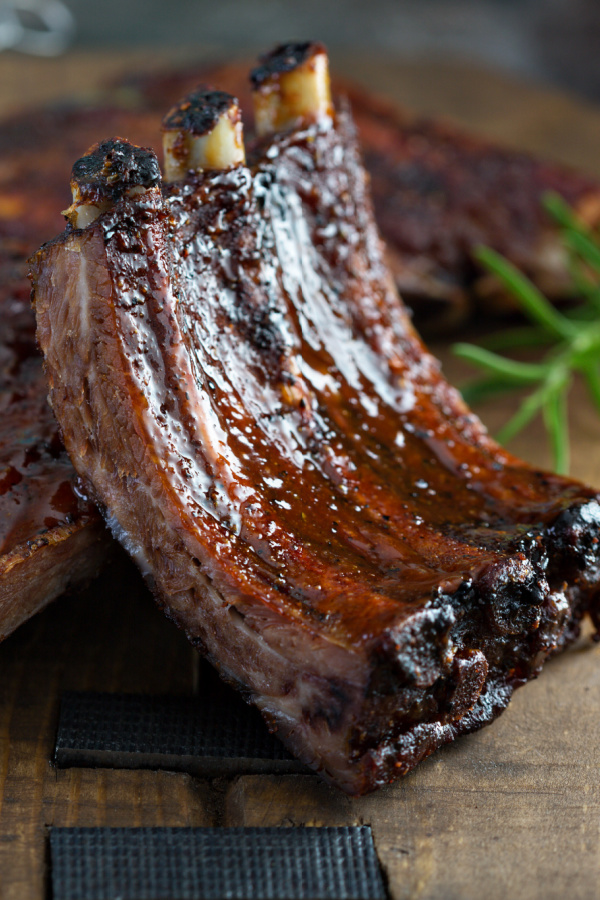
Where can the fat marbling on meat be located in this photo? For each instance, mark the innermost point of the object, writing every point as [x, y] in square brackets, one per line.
[240, 385]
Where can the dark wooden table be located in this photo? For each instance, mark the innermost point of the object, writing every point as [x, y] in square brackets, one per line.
[513, 811]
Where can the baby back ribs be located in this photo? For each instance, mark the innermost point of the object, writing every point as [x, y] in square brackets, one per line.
[237, 379]
[437, 193]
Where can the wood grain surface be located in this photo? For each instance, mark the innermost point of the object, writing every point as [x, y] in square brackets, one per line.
[512, 811]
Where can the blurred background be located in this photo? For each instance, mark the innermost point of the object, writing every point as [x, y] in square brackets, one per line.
[553, 42]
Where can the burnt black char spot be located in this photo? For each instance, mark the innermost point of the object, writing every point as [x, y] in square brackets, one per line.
[284, 58]
[575, 537]
[113, 166]
[199, 112]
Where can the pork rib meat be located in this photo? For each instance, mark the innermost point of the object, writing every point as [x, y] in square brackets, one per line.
[239, 383]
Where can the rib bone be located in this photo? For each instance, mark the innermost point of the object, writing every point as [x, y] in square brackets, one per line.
[204, 131]
[291, 83]
[110, 170]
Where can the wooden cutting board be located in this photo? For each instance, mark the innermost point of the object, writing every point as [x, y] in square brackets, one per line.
[513, 811]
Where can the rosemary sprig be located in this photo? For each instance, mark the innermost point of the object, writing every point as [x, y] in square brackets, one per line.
[572, 338]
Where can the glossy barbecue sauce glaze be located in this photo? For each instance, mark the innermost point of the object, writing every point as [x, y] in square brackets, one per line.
[317, 433]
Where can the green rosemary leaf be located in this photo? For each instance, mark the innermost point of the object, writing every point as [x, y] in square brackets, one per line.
[584, 249]
[560, 211]
[557, 380]
[557, 425]
[582, 245]
[592, 377]
[586, 288]
[584, 349]
[528, 409]
[532, 301]
[517, 372]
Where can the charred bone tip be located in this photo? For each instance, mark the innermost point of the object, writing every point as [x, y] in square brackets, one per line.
[204, 131]
[291, 83]
[284, 58]
[110, 170]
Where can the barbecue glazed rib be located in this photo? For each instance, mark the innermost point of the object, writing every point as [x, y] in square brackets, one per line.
[236, 377]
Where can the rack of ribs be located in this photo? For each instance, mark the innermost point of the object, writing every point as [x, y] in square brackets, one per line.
[437, 192]
[240, 386]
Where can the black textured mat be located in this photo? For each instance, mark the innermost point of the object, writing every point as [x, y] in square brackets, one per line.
[214, 864]
[215, 733]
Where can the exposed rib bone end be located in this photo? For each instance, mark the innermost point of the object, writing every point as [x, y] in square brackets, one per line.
[110, 170]
[204, 131]
[291, 83]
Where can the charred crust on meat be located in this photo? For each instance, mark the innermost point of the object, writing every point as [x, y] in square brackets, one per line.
[200, 111]
[284, 58]
[576, 535]
[513, 593]
[416, 655]
[112, 167]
